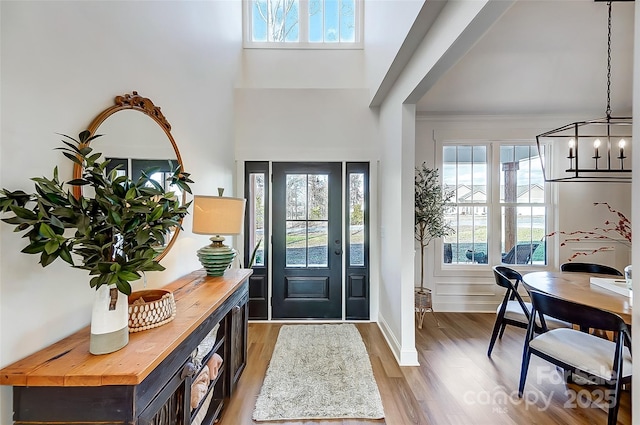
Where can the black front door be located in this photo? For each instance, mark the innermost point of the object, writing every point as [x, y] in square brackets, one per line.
[307, 241]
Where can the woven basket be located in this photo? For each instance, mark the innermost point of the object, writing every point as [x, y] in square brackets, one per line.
[150, 308]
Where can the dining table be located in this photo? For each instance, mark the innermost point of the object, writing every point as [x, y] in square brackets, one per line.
[577, 287]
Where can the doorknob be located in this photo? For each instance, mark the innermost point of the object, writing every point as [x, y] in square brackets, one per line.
[338, 251]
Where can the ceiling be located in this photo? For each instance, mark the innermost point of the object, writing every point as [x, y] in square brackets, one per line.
[542, 57]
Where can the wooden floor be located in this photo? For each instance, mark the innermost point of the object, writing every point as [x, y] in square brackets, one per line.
[456, 383]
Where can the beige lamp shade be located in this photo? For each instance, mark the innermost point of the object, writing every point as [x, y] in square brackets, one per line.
[218, 215]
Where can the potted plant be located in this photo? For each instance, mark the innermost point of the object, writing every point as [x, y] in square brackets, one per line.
[430, 202]
[110, 230]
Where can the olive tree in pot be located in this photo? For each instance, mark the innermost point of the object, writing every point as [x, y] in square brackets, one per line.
[430, 202]
[110, 232]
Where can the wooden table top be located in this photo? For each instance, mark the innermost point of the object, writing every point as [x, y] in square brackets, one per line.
[574, 286]
[68, 362]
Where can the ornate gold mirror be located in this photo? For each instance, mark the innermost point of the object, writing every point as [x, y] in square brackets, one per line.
[136, 136]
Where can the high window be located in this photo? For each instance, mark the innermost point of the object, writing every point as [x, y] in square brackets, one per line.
[499, 208]
[303, 23]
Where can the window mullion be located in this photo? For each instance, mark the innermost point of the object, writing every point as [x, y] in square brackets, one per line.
[303, 21]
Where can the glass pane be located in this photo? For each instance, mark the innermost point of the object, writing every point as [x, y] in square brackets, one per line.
[331, 21]
[316, 14]
[256, 216]
[317, 246]
[469, 243]
[296, 245]
[479, 191]
[259, 21]
[450, 242]
[318, 196]
[449, 169]
[291, 27]
[536, 177]
[523, 230]
[296, 197]
[538, 230]
[356, 219]
[478, 251]
[464, 173]
[347, 21]
[275, 20]
[521, 179]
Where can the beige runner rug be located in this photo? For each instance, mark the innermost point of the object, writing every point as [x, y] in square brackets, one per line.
[319, 372]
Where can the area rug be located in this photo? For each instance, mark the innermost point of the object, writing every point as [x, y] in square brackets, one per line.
[319, 372]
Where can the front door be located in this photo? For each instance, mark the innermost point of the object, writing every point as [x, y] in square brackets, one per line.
[307, 241]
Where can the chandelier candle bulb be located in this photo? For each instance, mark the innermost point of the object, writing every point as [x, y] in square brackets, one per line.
[572, 143]
[621, 144]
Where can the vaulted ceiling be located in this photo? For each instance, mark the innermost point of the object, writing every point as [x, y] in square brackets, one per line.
[542, 57]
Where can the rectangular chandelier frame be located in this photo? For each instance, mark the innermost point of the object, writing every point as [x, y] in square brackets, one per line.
[597, 151]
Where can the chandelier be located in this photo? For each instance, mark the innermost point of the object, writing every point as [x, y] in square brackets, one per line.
[596, 150]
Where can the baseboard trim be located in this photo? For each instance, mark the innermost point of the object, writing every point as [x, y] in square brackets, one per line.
[406, 357]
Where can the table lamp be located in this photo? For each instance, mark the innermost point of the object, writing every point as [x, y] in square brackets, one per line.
[217, 215]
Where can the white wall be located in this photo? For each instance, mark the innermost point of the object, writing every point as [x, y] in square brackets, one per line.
[635, 214]
[62, 64]
[305, 125]
[474, 289]
[382, 45]
[458, 26]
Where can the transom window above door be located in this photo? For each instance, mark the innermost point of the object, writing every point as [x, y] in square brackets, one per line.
[324, 24]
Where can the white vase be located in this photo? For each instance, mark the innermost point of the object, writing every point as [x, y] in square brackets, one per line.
[109, 321]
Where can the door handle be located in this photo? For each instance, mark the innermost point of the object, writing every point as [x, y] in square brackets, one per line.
[338, 252]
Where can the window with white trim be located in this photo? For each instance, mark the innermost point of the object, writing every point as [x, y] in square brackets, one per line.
[331, 24]
[499, 208]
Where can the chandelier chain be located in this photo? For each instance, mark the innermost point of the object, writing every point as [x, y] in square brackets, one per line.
[608, 111]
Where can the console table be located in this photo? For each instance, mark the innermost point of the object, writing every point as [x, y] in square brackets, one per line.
[149, 380]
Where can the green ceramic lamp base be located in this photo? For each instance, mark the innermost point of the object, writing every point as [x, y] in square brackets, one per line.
[215, 258]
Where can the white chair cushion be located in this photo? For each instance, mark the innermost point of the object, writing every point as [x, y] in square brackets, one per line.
[581, 350]
[514, 312]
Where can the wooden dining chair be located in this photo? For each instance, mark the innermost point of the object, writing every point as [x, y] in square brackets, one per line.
[589, 268]
[597, 359]
[513, 310]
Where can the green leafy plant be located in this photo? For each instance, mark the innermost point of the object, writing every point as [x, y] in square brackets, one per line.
[254, 252]
[113, 231]
[430, 203]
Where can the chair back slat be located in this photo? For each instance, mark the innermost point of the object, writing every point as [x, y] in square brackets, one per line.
[504, 276]
[590, 268]
[579, 314]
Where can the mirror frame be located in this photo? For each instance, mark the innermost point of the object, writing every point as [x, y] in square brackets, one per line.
[142, 104]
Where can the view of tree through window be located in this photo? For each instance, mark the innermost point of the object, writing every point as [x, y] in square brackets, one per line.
[307, 212]
[306, 21]
[522, 199]
[356, 218]
[257, 214]
[519, 204]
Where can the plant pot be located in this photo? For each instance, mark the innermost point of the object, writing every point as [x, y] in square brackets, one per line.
[423, 305]
[109, 321]
[423, 299]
